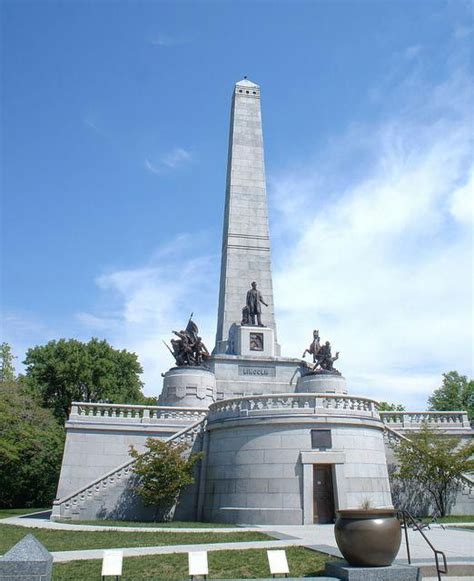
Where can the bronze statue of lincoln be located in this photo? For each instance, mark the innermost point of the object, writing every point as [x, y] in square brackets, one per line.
[254, 298]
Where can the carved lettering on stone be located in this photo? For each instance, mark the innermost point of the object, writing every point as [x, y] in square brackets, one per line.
[257, 370]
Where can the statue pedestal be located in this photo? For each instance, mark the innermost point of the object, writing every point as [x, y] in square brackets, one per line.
[188, 387]
[320, 382]
[252, 341]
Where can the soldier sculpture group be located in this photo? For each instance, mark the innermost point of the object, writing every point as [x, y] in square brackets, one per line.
[188, 348]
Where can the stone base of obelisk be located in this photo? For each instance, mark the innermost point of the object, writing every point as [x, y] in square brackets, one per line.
[342, 570]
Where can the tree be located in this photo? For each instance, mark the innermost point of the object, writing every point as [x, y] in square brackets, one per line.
[434, 461]
[64, 371]
[385, 406]
[456, 393]
[162, 472]
[31, 447]
[7, 369]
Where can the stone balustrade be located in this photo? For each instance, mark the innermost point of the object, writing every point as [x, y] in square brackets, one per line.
[294, 404]
[413, 420]
[141, 414]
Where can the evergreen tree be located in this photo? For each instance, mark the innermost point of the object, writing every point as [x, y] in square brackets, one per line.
[7, 369]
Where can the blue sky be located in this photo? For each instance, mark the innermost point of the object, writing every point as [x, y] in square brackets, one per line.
[115, 123]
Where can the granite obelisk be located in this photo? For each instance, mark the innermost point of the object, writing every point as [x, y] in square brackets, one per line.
[245, 244]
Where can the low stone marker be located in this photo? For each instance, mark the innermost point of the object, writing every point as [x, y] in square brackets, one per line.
[28, 560]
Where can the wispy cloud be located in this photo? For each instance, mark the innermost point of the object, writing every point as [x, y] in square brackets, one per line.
[413, 51]
[146, 303]
[380, 260]
[165, 40]
[90, 123]
[174, 159]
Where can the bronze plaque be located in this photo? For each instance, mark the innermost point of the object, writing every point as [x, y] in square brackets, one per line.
[256, 341]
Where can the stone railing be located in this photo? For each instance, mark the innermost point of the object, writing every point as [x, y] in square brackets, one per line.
[142, 414]
[292, 404]
[67, 504]
[413, 420]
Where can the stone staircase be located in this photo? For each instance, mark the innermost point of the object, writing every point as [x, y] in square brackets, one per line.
[93, 500]
[466, 481]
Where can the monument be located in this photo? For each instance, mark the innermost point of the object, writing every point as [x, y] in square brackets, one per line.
[283, 441]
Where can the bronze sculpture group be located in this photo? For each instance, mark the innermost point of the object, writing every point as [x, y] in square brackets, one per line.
[188, 348]
[322, 357]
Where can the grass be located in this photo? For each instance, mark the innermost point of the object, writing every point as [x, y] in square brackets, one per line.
[452, 518]
[60, 540]
[8, 512]
[129, 523]
[249, 564]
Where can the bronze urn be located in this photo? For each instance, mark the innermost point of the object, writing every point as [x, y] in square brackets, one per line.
[368, 538]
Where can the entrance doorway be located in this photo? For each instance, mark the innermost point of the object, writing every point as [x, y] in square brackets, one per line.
[323, 494]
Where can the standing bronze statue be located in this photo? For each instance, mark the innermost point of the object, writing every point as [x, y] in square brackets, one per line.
[189, 348]
[253, 306]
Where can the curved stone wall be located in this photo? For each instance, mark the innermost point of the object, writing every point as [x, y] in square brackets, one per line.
[188, 386]
[260, 457]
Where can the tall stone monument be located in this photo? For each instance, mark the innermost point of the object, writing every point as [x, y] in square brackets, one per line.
[245, 242]
[283, 441]
[246, 359]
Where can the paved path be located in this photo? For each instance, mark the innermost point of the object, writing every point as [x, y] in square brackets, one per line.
[457, 544]
[63, 556]
[41, 522]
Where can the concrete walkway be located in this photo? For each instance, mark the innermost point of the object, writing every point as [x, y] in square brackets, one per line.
[457, 544]
[42, 522]
[64, 556]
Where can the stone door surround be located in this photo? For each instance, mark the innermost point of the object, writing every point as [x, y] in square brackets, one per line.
[308, 459]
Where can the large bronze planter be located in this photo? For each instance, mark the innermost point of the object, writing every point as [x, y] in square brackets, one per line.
[368, 538]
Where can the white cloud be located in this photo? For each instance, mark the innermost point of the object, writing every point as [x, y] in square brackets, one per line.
[174, 159]
[413, 51]
[148, 302]
[167, 41]
[462, 201]
[377, 263]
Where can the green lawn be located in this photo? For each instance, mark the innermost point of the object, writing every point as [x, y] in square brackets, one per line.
[248, 564]
[8, 512]
[178, 524]
[58, 540]
[453, 518]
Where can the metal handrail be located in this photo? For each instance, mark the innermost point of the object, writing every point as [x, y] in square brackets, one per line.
[406, 515]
